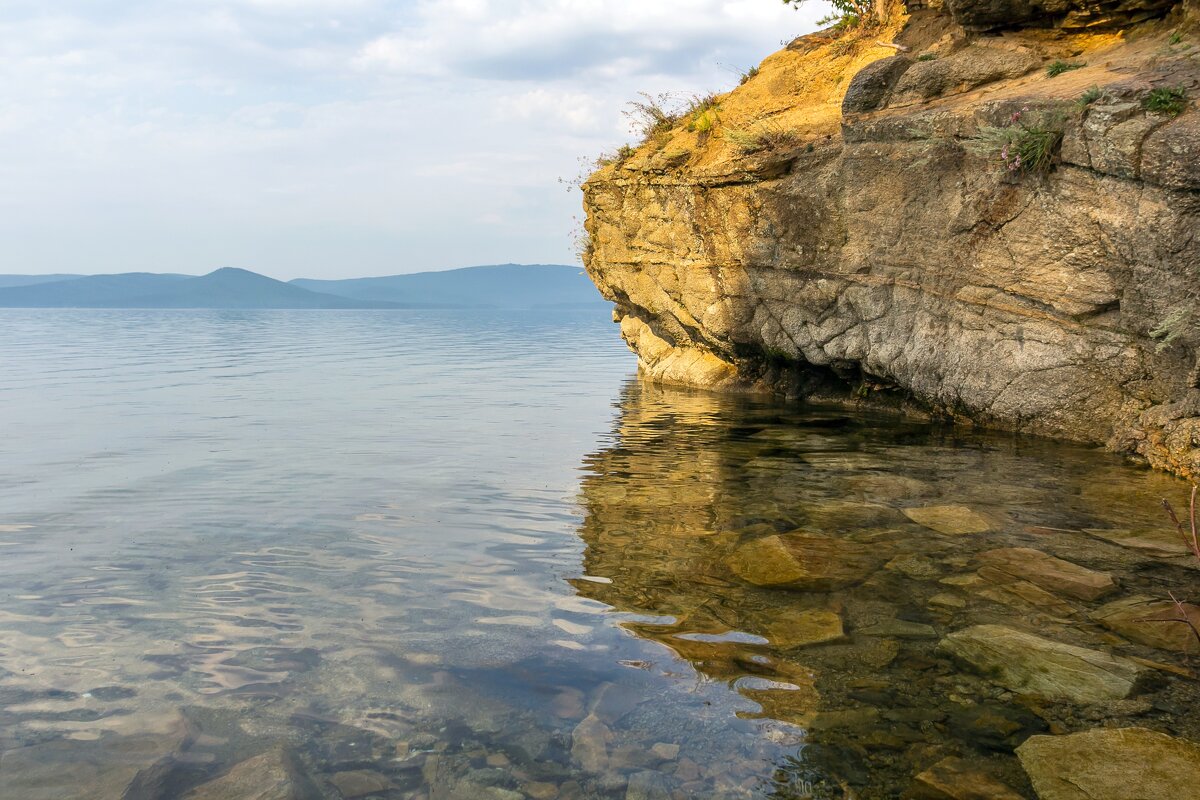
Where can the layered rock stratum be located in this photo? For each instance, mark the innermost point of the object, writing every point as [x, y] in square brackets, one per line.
[834, 226]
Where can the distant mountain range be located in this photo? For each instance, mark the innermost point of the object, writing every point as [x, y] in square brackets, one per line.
[499, 286]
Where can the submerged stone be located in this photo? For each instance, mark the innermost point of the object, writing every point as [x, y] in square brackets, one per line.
[1152, 622]
[953, 520]
[804, 561]
[274, 775]
[589, 744]
[899, 628]
[648, 785]
[956, 779]
[360, 782]
[1112, 764]
[1050, 573]
[801, 628]
[1031, 665]
[1163, 543]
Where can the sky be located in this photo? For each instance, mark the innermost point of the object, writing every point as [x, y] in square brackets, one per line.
[333, 138]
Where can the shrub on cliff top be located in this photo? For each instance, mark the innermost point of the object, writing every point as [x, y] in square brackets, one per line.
[844, 14]
[763, 137]
[652, 115]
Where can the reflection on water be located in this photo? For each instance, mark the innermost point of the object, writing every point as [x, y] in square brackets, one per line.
[353, 552]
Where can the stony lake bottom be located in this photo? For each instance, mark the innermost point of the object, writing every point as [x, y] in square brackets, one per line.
[442, 555]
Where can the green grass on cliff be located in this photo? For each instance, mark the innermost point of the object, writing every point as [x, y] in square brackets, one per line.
[1167, 100]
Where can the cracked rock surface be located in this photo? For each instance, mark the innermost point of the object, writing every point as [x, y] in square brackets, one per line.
[875, 252]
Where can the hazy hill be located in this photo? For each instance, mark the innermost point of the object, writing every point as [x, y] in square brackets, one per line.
[224, 288]
[90, 291]
[27, 280]
[497, 286]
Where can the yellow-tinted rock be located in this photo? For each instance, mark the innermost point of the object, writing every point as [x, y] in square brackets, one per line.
[1050, 573]
[801, 628]
[1152, 622]
[954, 520]
[804, 561]
[958, 779]
[1112, 764]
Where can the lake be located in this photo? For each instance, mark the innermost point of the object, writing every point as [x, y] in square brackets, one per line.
[404, 554]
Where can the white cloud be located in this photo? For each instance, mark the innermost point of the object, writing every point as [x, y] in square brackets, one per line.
[327, 137]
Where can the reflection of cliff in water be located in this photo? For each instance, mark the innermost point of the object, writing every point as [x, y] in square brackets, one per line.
[682, 520]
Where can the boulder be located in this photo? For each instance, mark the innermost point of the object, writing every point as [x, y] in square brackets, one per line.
[1031, 665]
[1050, 573]
[870, 86]
[1112, 764]
[804, 561]
[953, 520]
[983, 15]
[957, 779]
[973, 66]
[1152, 622]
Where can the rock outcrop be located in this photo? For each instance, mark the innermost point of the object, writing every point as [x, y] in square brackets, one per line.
[841, 231]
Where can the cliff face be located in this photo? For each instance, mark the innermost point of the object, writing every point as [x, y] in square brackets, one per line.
[843, 229]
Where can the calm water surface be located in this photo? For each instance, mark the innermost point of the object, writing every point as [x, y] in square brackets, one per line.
[437, 555]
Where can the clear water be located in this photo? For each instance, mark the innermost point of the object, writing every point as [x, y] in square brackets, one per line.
[438, 555]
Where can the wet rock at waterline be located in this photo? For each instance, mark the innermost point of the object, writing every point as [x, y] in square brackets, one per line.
[804, 561]
[1031, 665]
[1050, 573]
[1112, 764]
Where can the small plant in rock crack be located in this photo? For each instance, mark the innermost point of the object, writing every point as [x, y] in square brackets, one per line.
[1027, 144]
[1093, 94]
[1057, 68]
[1166, 100]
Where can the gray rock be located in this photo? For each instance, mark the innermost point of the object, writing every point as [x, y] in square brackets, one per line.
[970, 67]
[872, 83]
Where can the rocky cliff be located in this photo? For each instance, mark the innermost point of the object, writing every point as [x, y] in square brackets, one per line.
[856, 220]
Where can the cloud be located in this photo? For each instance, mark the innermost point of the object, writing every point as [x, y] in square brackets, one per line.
[331, 137]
